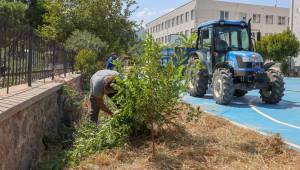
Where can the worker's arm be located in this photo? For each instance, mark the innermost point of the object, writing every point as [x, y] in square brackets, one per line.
[102, 106]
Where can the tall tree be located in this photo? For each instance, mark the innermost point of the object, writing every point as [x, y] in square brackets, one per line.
[279, 47]
[106, 19]
[12, 12]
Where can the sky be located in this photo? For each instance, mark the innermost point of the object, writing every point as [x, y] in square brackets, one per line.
[149, 10]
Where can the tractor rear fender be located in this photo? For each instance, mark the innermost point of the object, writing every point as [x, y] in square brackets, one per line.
[198, 55]
[224, 65]
[267, 66]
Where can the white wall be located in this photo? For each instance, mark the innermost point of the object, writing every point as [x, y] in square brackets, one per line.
[296, 24]
[169, 16]
[210, 10]
[206, 10]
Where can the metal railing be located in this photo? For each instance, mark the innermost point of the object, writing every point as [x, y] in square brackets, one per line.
[26, 57]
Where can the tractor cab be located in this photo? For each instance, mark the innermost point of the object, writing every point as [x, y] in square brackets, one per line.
[230, 65]
[216, 39]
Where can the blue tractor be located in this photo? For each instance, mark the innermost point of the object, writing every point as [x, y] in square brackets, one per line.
[229, 64]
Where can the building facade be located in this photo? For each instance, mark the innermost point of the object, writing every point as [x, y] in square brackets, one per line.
[295, 23]
[185, 19]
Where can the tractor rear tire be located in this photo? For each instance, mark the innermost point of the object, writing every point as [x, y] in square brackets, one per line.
[275, 90]
[223, 87]
[240, 93]
[198, 83]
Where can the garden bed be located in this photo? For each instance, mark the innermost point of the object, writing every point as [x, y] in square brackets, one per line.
[209, 143]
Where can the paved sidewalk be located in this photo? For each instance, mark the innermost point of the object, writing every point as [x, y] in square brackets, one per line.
[21, 96]
[251, 112]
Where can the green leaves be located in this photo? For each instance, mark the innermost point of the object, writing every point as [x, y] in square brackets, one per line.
[86, 62]
[188, 42]
[80, 40]
[149, 89]
[107, 20]
[12, 12]
[279, 47]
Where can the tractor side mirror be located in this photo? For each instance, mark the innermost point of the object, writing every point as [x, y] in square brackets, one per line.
[205, 34]
[258, 36]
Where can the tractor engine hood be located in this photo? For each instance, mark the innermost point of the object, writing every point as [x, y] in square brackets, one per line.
[246, 56]
[245, 60]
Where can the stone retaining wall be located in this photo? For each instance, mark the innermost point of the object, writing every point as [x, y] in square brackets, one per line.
[22, 134]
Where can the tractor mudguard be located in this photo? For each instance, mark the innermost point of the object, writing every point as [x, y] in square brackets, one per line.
[198, 55]
[267, 66]
[224, 65]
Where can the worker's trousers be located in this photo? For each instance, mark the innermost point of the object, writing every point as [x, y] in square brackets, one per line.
[94, 110]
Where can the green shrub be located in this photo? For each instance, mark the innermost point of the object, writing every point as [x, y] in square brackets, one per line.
[86, 62]
[146, 95]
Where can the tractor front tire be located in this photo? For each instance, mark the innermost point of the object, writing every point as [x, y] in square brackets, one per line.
[240, 93]
[223, 87]
[198, 83]
[274, 92]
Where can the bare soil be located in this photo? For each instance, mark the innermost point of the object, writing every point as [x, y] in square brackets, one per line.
[209, 143]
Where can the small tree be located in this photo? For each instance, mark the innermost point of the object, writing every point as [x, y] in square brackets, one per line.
[279, 47]
[188, 42]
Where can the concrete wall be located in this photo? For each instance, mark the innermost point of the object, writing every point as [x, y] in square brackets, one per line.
[24, 128]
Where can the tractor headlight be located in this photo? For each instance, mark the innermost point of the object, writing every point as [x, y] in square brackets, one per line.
[255, 58]
[246, 59]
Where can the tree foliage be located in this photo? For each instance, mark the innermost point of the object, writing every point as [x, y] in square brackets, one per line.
[54, 20]
[279, 47]
[106, 19]
[34, 13]
[187, 42]
[86, 62]
[147, 94]
[12, 12]
[80, 40]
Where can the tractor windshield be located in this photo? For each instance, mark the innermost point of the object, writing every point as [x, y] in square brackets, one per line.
[231, 38]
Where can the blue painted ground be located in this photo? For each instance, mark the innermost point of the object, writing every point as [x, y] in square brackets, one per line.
[283, 118]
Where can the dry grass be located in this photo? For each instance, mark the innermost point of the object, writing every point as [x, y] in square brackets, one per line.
[210, 143]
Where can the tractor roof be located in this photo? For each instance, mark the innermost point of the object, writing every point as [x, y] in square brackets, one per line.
[223, 22]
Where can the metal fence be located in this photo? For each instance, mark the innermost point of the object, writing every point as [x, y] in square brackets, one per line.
[25, 57]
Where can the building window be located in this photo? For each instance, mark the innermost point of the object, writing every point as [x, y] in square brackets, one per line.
[177, 20]
[243, 16]
[269, 19]
[181, 18]
[224, 15]
[281, 20]
[256, 18]
[192, 14]
[173, 22]
[166, 39]
[162, 26]
[187, 16]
